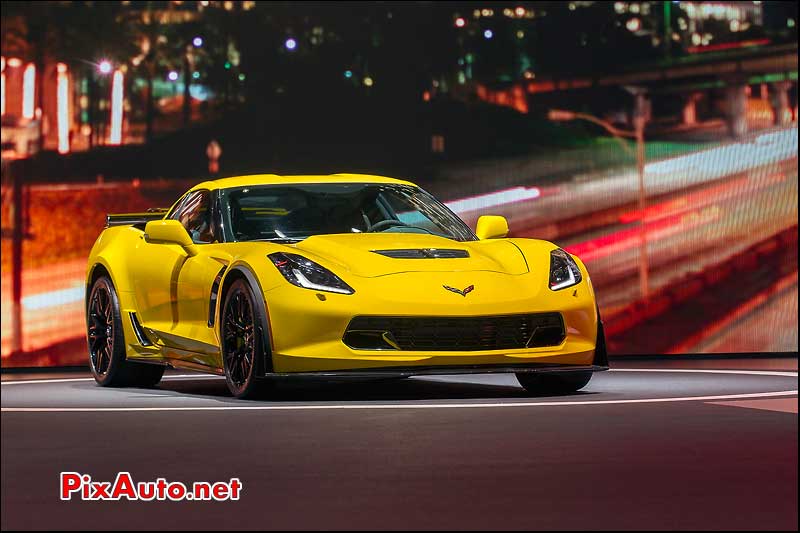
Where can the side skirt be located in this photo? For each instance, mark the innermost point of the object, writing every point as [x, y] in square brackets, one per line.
[389, 372]
[195, 367]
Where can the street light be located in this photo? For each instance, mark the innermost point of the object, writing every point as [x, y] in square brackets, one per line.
[100, 69]
[173, 76]
[560, 115]
[105, 66]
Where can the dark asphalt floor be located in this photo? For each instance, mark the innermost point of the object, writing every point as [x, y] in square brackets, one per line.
[469, 452]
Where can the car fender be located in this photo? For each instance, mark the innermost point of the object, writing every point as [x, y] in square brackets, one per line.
[244, 269]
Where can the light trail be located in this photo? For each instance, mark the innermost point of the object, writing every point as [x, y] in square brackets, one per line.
[53, 298]
[704, 165]
[700, 198]
[629, 238]
[494, 199]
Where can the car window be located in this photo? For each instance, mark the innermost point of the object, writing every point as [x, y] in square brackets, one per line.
[298, 211]
[195, 215]
[405, 209]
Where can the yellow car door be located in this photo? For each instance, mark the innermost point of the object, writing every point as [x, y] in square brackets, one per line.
[198, 284]
[172, 288]
[155, 272]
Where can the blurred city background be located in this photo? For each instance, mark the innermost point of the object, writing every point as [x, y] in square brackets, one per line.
[656, 140]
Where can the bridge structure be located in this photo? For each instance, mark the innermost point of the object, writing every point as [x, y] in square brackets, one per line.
[724, 79]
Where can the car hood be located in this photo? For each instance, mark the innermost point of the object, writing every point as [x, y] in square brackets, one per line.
[358, 254]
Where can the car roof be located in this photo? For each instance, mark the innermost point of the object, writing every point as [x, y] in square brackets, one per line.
[274, 179]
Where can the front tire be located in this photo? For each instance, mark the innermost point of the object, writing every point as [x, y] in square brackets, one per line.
[106, 341]
[553, 383]
[242, 343]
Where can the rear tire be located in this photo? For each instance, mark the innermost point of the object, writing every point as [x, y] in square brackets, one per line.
[553, 383]
[106, 342]
[143, 375]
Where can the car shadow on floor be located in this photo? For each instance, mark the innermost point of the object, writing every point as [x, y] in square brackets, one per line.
[358, 391]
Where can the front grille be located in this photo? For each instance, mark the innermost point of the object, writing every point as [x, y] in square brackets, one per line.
[424, 253]
[455, 333]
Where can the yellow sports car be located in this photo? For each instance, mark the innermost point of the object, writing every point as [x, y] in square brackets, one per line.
[258, 277]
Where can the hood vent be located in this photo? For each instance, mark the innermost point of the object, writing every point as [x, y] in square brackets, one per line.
[424, 253]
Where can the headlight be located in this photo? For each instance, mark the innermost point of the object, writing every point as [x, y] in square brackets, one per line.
[307, 274]
[564, 272]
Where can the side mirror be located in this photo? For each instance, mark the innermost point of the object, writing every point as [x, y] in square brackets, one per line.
[491, 227]
[169, 232]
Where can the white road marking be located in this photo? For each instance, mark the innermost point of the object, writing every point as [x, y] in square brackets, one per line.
[710, 371]
[390, 406]
[69, 380]
[477, 405]
[667, 370]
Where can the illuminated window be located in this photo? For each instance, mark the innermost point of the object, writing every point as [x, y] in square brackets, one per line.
[62, 104]
[28, 90]
[115, 136]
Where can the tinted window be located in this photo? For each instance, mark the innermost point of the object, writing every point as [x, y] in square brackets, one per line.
[303, 210]
[194, 213]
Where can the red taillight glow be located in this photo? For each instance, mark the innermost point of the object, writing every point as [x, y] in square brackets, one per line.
[727, 46]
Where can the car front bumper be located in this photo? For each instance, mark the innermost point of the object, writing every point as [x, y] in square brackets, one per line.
[307, 327]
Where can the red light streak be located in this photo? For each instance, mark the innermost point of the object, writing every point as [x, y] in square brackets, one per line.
[700, 198]
[726, 46]
[630, 238]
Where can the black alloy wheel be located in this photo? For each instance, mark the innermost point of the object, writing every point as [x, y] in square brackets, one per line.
[101, 328]
[105, 336]
[242, 345]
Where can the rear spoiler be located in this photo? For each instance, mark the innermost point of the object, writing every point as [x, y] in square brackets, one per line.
[136, 219]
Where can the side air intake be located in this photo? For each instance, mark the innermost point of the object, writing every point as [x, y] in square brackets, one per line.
[141, 336]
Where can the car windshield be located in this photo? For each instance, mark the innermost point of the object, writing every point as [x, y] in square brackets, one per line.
[295, 212]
